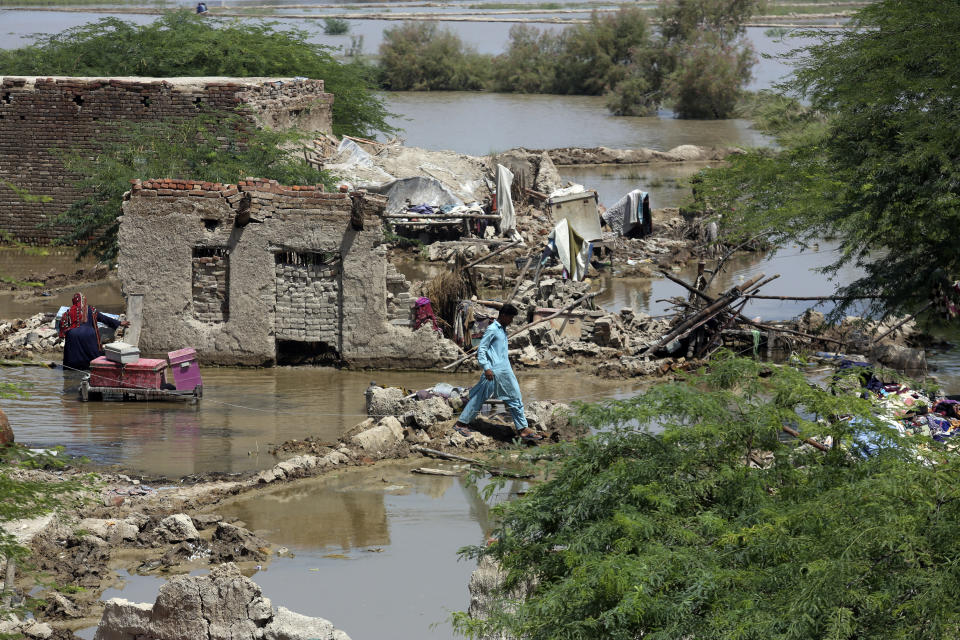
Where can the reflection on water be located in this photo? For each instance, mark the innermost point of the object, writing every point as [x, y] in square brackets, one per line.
[27, 264]
[374, 550]
[483, 123]
[242, 413]
[399, 533]
[666, 183]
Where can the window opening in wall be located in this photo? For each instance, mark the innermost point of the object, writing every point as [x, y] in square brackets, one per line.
[198, 103]
[78, 99]
[211, 225]
[7, 97]
[211, 284]
[145, 101]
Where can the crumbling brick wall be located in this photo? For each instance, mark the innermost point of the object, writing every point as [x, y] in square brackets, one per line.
[297, 268]
[40, 115]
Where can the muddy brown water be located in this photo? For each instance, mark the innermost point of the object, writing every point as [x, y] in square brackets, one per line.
[374, 552]
[242, 413]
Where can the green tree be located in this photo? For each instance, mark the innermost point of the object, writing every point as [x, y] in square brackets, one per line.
[704, 57]
[181, 43]
[420, 56]
[529, 65]
[212, 148]
[594, 57]
[664, 525]
[874, 157]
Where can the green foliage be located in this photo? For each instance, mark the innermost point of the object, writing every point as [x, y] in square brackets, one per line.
[182, 43]
[594, 57]
[700, 61]
[25, 195]
[420, 56]
[658, 528]
[335, 26]
[529, 65]
[874, 159]
[210, 148]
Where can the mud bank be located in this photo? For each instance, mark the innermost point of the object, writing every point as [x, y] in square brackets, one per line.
[169, 530]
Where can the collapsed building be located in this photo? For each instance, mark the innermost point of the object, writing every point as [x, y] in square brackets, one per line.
[41, 118]
[259, 273]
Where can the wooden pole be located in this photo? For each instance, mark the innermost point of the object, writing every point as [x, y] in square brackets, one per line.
[491, 254]
[426, 217]
[8, 582]
[523, 272]
[709, 311]
[810, 441]
[535, 322]
[811, 298]
[903, 322]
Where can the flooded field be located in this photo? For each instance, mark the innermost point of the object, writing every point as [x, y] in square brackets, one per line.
[242, 413]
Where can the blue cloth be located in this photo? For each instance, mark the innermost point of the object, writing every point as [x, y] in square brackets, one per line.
[80, 345]
[492, 354]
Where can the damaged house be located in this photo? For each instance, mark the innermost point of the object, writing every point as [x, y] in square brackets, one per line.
[258, 273]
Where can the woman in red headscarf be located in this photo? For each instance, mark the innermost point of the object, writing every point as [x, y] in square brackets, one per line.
[81, 336]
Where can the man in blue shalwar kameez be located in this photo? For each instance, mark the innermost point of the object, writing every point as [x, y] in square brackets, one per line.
[497, 379]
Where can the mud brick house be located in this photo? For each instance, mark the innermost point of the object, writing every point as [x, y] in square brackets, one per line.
[39, 115]
[259, 273]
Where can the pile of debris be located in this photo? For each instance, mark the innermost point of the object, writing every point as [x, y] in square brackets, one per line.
[29, 337]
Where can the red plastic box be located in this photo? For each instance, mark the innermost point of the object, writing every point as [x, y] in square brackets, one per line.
[145, 373]
[186, 371]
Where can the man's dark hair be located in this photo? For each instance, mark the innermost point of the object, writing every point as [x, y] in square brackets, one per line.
[509, 310]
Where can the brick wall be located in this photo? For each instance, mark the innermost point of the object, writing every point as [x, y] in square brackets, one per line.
[38, 115]
[308, 298]
[210, 284]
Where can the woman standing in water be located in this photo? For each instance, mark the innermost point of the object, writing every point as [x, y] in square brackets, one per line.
[81, 336]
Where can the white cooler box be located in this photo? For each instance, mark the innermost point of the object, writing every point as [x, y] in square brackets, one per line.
[121, 352]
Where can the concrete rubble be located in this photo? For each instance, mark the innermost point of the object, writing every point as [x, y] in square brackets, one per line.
[223, 605]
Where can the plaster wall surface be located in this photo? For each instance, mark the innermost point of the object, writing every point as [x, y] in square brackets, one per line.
[257, 226]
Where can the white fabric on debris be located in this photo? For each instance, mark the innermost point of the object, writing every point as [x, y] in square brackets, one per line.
[508, 220]
[566, 191]
[572, 250]
[626, 214]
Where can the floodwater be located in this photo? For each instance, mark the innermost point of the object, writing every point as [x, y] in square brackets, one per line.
[797, 268]
[482, 123]
[27, 264]
[373, 552]
[242, 413]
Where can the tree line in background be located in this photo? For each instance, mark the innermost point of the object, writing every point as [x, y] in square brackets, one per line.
[695, 59]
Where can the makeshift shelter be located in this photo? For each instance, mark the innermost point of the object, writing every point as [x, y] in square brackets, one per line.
[415, 191]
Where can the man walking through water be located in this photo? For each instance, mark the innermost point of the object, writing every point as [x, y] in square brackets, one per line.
[497, 379]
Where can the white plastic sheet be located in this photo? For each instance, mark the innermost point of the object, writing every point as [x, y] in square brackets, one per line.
[508, 219]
